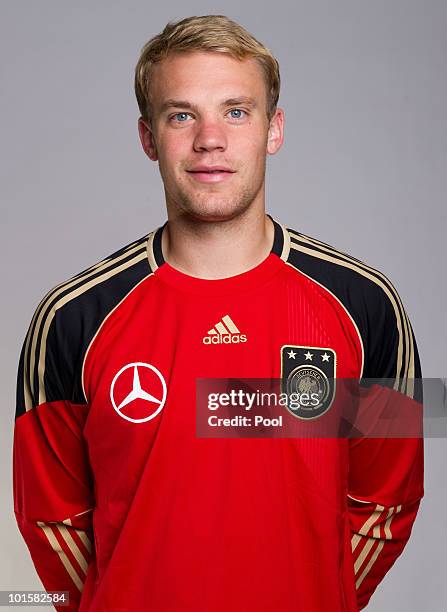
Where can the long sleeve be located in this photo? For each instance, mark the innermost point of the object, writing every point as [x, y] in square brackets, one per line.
[387, 479]
[52, 481]
[386, 474]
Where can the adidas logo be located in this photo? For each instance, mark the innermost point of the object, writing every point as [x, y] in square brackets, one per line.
[224, 332]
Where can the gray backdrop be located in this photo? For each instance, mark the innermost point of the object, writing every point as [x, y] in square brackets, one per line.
[363, 167]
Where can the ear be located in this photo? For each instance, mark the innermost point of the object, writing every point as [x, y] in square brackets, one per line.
[147, 139]
[275, 136]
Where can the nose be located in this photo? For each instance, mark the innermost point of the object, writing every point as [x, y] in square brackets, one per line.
[210, 135]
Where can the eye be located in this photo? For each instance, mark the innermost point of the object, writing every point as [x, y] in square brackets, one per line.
[237, 110]
[183, 114]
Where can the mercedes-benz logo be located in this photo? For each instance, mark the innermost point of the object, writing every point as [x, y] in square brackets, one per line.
[153, 404]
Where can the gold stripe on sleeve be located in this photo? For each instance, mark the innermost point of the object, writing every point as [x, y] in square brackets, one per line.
[62, 556]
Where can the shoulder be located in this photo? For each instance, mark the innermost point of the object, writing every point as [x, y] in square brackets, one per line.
[67, 318]
[339, 272]
[97, 289]
[360, 287]
[368, 296]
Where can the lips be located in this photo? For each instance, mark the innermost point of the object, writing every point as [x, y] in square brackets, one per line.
[210, 174]
[210, 169]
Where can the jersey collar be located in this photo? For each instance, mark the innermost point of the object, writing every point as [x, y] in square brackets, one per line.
[280, 247]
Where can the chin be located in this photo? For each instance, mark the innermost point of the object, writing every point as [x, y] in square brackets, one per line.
[217, 209]
[214, 213]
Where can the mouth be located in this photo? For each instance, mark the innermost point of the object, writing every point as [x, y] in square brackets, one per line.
[211, 176]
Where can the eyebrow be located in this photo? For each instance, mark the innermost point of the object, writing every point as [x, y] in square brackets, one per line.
[241, 100]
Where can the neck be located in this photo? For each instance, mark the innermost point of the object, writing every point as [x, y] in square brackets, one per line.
[217, 249]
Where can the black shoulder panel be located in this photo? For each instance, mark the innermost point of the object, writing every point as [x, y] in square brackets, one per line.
[370, 299]
[66, 321]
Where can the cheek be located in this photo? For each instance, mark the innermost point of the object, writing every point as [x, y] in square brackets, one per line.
[255, 156]
[171, 154]
[253, 146]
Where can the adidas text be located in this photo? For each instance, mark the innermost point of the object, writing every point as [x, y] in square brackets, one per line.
[225, 339]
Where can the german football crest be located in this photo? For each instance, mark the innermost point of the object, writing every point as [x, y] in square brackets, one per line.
[308, 379]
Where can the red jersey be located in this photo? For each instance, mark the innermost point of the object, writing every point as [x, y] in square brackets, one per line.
[125, 507]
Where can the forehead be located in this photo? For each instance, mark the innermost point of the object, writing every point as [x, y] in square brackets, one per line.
[206, 76]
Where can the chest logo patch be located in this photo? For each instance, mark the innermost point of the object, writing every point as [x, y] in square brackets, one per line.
[308, 377]
[138, 392]
[224, 331]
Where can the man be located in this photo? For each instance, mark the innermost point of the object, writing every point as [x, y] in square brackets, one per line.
[118, 499]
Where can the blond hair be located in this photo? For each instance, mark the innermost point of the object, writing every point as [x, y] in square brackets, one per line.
[204, 33]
